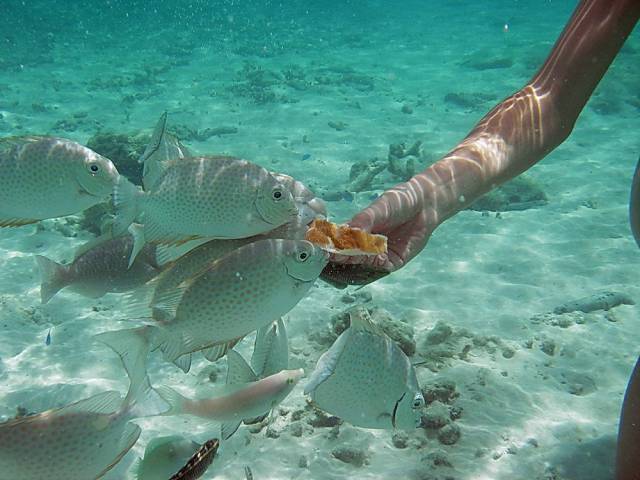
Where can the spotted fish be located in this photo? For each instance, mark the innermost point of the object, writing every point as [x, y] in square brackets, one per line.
[102, 268]
[84, 440]
[47, 177]
[366, 379]
[196, 197]
[199, 463]
[230, 297]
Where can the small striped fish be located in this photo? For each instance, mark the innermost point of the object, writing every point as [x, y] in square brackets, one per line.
[199, 463]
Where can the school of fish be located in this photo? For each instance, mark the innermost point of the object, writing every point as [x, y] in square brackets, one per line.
[208, 250]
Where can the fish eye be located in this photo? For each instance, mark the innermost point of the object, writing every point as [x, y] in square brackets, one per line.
[418, 401]
[302, 256]
[277, 194]
[94, 168]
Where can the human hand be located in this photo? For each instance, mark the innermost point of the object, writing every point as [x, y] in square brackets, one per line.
[407, 228]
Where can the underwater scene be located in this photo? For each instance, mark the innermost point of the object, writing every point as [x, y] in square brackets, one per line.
[185, 292]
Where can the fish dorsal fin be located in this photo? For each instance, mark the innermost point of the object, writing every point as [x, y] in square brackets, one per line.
[105, 402]
[238, 370]
[326, 365]
[361, 321]
[166, 254]
[265, 337]
[156, 137]
[227, 429]
[93, 243]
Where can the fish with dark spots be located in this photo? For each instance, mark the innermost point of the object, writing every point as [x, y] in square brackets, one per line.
[48, 177]
[199, 463]
[101, 268]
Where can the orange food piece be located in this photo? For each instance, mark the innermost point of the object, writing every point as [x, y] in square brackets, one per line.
[344, 239]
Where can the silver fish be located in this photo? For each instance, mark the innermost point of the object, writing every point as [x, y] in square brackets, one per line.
[366, 379]
[232, 403]
[196, 197]
[230, 297]
[164, 456]
[84, 440]
[102, 268]
[47, 177]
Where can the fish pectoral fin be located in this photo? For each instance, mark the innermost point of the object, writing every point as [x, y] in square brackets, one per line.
[227, 429]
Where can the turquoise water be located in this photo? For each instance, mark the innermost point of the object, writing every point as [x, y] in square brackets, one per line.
[309, 89]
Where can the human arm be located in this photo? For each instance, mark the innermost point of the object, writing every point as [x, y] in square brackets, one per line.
[510, 139]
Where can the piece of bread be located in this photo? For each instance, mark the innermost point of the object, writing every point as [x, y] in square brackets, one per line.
[345, 240]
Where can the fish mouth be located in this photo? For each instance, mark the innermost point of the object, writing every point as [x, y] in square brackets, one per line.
[395, 410]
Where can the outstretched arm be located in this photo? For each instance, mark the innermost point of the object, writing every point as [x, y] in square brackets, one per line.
[511, 138]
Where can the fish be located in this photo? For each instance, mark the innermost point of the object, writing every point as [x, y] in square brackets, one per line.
[48, 177]
[163, 456]
[306, 156]
[47, 341]
[228, 298]
[366, 379]
[194, 261]
[161, 150]
[100, 267]
[231, 404]
[83, 440]
[200, 462]
[203, 197]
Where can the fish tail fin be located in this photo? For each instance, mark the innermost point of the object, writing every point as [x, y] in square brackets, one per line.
[133, 346]
[137, 232]
[52, 277]
[176, 401]
[126, 197]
